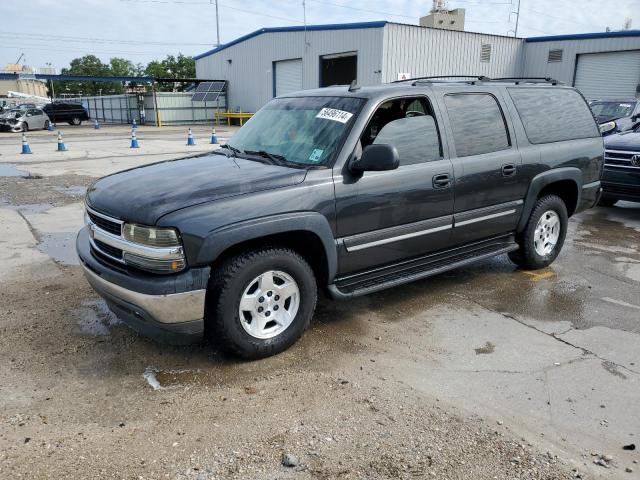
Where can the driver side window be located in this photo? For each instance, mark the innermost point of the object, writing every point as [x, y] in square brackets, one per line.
[409, 125]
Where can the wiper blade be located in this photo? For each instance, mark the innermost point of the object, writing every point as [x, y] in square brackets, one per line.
[274, 157]
[234, 150]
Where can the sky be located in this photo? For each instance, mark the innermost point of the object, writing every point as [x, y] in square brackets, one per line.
[56, 31]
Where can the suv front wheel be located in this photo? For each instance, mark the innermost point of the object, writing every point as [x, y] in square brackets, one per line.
[543, 237]
[260, 302]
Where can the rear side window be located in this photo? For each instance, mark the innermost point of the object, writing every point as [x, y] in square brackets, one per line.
[553, 115]
[477, 123]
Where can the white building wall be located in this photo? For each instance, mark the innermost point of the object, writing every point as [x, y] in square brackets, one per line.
[250, 72]
[430, 51]
[536, 55]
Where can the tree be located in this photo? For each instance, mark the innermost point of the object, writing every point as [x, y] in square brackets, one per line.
[87, 65]
[172, 67]
[90, 65]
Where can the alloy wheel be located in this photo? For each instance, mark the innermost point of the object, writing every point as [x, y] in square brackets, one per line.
[269, 304]
[547, 233]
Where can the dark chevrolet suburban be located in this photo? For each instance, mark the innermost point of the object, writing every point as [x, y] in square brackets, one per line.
[348, 189]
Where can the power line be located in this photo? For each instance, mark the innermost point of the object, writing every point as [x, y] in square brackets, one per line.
[76, 39]
[380, 12]
[590, 25]
[182, 2]
[79, 49]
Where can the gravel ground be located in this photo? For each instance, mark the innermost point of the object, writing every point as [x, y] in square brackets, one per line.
[75, 405]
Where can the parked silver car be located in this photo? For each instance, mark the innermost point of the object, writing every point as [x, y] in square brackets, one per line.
[17, 120]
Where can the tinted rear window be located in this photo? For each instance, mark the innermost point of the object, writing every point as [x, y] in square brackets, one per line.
[553, 115]
[477, 123]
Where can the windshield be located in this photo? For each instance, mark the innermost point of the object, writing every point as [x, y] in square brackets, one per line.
[302, 130]
[612, 109]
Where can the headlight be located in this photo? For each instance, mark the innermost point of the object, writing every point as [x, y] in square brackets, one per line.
[162, 251]
[151, 236]
[607, 127]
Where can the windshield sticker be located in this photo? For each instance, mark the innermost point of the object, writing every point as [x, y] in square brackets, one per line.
[316, 155]
[335, 115]
[625, 105]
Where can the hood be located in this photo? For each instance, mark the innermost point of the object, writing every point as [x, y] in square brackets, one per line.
[10, 114]
[144, 194]
[623, 141]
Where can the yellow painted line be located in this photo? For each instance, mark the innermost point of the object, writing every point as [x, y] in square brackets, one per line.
[537, 276]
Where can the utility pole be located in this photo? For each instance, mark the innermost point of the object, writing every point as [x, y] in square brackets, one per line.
[217, 23]
[517, 14]
[304, 20]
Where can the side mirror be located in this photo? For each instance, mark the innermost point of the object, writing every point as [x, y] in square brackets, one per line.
[376, 158]
[28, 115]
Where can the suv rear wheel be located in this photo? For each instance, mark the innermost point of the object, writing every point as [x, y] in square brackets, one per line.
[260, 302]
[75, 121]
[543, 237]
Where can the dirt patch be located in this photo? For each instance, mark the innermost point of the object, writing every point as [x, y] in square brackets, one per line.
[486, 349]
[57, 190]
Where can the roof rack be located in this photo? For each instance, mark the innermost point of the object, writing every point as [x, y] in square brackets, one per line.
[518, 80]
[472, 79]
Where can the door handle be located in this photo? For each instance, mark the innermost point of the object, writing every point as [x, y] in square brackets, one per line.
[442, 180]
[508, 170]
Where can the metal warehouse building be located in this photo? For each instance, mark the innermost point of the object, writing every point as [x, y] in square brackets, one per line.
[274, 61]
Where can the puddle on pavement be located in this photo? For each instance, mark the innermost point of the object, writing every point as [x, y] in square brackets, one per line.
[613, 231]
[10, 170]
[60, 247]
[94, 318]
[73, 190]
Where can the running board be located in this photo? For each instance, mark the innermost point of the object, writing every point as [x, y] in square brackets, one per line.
[352, 286]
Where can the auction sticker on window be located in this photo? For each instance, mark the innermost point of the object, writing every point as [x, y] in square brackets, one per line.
[334, 114]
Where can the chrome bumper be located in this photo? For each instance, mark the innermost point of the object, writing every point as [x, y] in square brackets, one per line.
[167, 309]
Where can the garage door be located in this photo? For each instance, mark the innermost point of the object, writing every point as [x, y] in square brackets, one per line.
[607, 75]
[288, 76]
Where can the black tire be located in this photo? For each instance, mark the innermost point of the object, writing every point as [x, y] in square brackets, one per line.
[46, 125]
[527, 256]
[25, 127]
[607, 202]
[75, 121]
[227, 285]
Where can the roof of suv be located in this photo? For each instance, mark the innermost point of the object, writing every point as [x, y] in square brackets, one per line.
[410, 86]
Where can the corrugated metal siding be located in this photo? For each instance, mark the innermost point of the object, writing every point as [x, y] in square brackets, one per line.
[250, 73]
[594, 74]
[537, 53]
[288, 76]
[430, 51]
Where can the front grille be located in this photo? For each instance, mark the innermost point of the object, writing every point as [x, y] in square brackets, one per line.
[619, 159]
[106, 225]
[108, 249]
